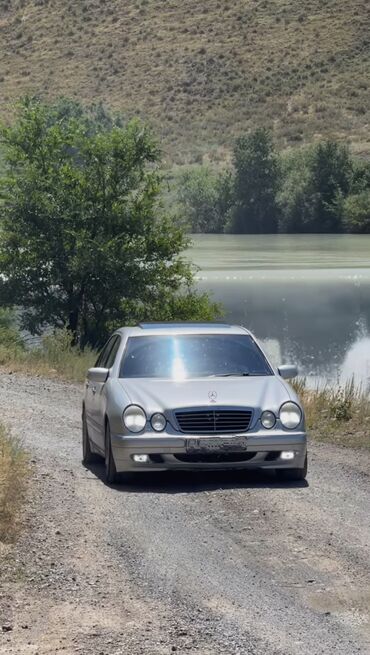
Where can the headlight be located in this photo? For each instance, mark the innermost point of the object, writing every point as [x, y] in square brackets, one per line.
[134, 418]
[268, 420]
[290, 415]
[158, 422]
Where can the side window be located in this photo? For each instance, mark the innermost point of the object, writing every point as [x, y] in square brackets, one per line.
[112, 355]
[105, 353]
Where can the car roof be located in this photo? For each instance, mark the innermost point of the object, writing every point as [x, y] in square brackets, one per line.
[182, 328]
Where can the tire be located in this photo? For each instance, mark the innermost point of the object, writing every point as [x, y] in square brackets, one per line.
[88, 456]
[293, 475]
[110, 467]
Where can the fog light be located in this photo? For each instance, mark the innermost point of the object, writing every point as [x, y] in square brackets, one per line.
[287, 454]
[141, 459]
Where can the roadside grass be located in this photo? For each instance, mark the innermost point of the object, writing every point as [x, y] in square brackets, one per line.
[13, 477]
[55, 357]
[338, 415]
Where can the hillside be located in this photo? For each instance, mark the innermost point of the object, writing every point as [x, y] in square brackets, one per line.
[201, 72]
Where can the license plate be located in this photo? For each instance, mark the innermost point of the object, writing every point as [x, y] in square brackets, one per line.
[217, 444]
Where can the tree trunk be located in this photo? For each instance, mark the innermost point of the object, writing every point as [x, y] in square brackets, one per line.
[73, 325]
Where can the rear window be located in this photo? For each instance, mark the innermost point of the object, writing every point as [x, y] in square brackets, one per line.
[192, 356]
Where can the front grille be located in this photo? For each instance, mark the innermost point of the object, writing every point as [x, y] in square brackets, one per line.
[215, 421]
[215, 458]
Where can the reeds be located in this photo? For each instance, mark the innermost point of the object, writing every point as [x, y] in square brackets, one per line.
[337, 413]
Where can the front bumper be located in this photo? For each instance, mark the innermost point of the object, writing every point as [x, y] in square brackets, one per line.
[165, 451]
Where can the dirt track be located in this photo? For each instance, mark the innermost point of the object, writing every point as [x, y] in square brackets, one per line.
[199, 564]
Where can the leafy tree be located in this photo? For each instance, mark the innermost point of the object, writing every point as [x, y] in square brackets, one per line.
[295, 198]
[356, 212]
[314, 180]
[331, 174]
[360, 175]
[205, 199]
[257, 180]
[84, 242]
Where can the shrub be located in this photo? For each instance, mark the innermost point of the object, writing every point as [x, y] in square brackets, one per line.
[338, 413]
[11, 343]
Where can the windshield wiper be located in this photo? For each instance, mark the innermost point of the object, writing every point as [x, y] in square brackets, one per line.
[228, 375]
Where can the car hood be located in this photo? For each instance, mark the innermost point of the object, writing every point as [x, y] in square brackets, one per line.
[265, 392]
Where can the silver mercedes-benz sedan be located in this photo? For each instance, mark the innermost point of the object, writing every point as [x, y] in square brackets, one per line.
[191, 396]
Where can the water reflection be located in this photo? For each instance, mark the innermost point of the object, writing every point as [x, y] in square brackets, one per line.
[357, 362]
[307, 296]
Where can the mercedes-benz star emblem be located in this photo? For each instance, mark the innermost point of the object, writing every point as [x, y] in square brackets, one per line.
[212, 395]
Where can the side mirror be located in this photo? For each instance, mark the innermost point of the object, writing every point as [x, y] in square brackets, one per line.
[288, 371]
[97, 374]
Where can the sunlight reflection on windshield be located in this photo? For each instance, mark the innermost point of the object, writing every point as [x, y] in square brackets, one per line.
[178, 366]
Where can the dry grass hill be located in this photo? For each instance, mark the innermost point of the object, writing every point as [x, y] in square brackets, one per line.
[201, 72]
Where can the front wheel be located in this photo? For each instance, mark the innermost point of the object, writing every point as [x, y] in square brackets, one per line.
[293, 475]
[110, 467]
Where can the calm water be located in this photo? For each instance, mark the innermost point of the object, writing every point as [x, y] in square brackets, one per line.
[306, 296]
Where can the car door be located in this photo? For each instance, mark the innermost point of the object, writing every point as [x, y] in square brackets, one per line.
[99, 398]
[88, 399]
[90, 395]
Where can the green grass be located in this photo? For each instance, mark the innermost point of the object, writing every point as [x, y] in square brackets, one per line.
[54, 358]
[339, 415]
[13, 479]
[201, 73]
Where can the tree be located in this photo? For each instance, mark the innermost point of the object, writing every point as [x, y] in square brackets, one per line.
[84, 242]
[360, 175]
[356, 212]
[314, 180]
[296, 200]
[331, 174]
[205, 199]
[257, 182]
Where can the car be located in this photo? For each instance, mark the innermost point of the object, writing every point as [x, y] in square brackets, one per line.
[191, 396]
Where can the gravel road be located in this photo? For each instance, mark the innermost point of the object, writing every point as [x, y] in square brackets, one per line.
[204, 564]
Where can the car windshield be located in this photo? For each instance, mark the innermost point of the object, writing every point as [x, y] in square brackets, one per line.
[187, 356]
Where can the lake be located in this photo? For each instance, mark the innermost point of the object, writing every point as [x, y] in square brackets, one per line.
[307, 297]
